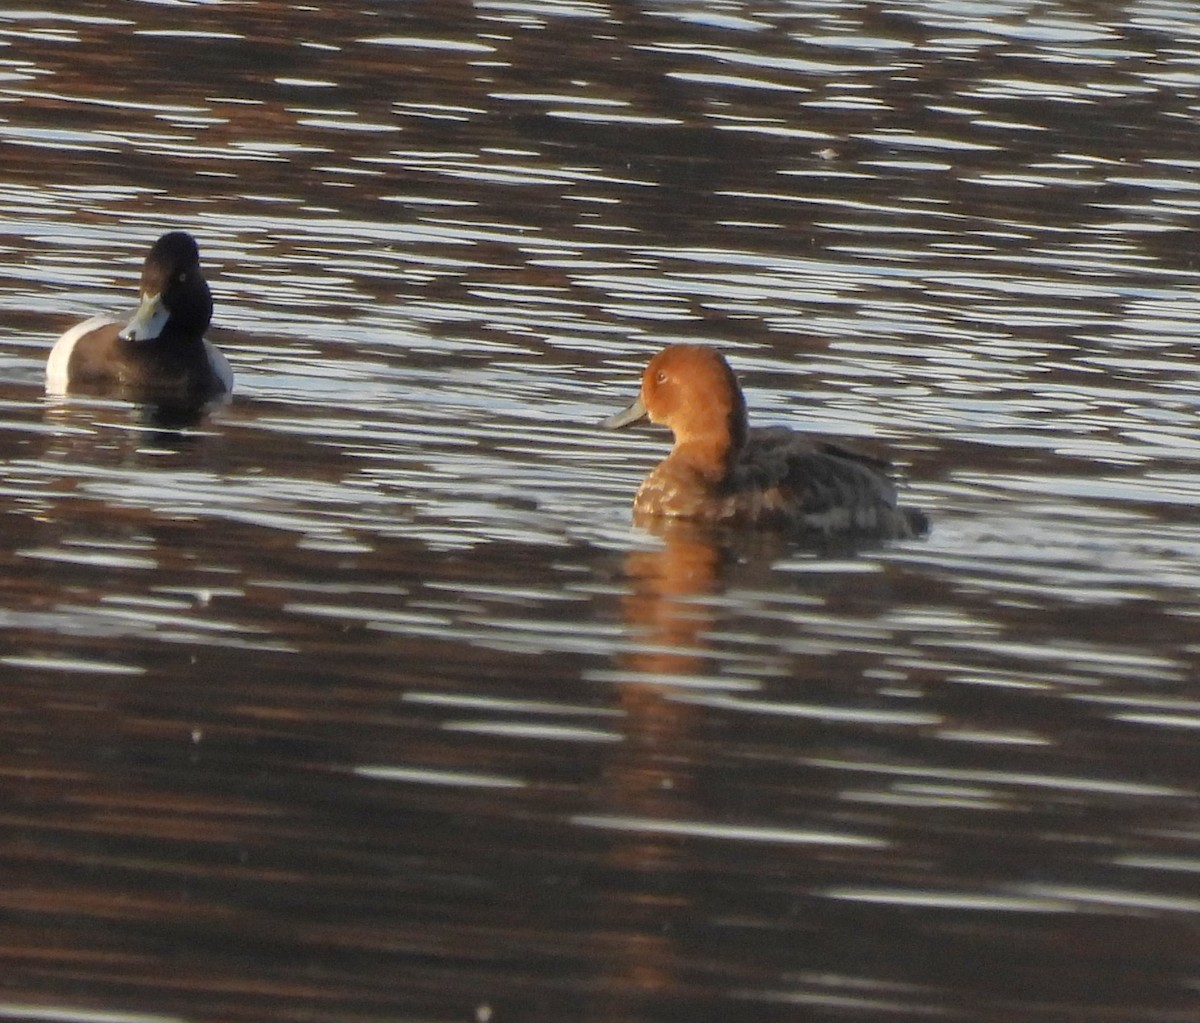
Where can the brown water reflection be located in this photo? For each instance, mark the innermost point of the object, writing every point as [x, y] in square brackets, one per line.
[361, 699]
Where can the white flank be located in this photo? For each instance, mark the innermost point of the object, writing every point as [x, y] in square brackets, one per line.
[60, 354]
[220, 365]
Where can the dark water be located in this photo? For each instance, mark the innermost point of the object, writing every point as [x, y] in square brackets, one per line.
[361, 699]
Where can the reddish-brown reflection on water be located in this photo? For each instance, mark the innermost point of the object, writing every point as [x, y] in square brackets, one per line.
[359, 699]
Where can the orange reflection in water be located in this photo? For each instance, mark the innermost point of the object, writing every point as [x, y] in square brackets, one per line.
[653, 776]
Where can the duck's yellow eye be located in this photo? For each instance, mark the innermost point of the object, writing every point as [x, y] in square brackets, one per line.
[660, 377]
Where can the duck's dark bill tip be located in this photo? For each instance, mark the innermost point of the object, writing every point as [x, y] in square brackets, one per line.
[632, 414]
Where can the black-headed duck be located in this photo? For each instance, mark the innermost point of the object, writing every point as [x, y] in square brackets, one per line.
[161, 352]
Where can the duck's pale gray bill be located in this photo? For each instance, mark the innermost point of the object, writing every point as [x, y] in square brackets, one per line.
[632, 414]
[148, 321]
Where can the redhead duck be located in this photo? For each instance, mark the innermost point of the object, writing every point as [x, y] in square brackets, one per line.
[722, 472]
[161, 352]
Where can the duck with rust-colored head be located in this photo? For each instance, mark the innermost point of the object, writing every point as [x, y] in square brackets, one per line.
[161, 352]
[724, 473]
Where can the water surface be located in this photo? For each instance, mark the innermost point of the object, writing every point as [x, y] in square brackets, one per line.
[361, 698]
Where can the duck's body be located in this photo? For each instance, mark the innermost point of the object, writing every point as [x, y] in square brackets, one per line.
[161, 353]
[722, 472]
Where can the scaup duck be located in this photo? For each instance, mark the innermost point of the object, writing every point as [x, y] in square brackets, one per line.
[722, 472]
[161, 352]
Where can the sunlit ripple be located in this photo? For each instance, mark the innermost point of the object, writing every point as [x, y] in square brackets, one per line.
[533, 731]
[819, 69]
[67, 664]
[674, 680]
[831, 991]
[119, 615]
[1180, 864]
[206, 35]
[423, 776]
[533, 9]
[420, 43]
[67, 16]
[1016, 780]
[73, 1014]
[728, 832]
[1157, 711]
[984, 902]
[1115, 899]
[883, 716]
[713, 18]
[506, 706]
[79, 554]
[940, 797]
[485, 628]
[733, 81]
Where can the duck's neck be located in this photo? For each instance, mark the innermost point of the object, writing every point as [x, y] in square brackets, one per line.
[711, 455]
[711, 441]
